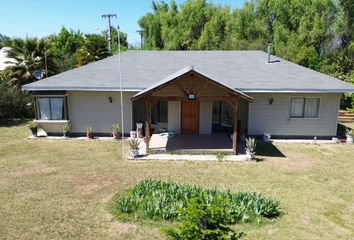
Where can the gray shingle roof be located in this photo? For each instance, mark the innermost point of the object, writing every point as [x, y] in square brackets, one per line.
[243, 70]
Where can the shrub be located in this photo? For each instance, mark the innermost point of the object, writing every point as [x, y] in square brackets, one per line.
[89, 130]
[14, 103]
[154, 199]
[204, 220]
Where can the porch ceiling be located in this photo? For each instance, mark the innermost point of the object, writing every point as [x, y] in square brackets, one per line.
[180, 81]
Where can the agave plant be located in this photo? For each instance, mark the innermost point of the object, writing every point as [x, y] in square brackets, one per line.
[116, 131]
[66, 129]
[134, 144]
[251, 144]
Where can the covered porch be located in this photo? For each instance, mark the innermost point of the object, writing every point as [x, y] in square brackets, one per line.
[189, 96]
[215, 142]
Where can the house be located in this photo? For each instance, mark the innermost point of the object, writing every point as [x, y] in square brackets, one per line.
[5, 61]
[192, 92]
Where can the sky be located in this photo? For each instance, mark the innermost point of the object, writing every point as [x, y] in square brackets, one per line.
[39, 18]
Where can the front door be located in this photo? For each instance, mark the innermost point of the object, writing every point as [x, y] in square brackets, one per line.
[189, 117]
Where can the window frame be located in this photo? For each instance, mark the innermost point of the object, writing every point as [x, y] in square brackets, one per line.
[304, 107]
[158, 112]
[49, 97]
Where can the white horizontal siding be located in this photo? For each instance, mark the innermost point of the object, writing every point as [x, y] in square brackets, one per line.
[205, 119]
[275, 118]
[174, 116]
[94, 109]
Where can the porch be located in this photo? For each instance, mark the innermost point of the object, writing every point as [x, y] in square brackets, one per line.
[187, 98]
[216, 142]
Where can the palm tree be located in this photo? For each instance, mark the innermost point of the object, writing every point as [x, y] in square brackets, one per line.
[29, 54]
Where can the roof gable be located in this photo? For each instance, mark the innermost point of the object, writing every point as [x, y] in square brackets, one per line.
[190, 70]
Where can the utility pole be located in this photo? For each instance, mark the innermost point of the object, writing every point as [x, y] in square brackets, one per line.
[141, 32]
[109, 16]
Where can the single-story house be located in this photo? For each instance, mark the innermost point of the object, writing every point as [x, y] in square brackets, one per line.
[192, 92]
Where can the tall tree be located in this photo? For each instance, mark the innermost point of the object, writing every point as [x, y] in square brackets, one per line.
[64, 47]
[94, 49]
[29, 54]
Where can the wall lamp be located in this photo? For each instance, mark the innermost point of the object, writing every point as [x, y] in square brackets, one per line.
[110, 99]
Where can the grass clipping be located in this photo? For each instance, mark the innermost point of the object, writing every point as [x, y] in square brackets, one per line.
[158, 200]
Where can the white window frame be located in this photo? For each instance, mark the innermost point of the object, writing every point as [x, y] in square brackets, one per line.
[304, 107]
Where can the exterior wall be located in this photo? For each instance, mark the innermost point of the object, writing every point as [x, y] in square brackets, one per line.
[52, 126]
[174, 116]
[275, 118]
[205, 120]
[94, 109]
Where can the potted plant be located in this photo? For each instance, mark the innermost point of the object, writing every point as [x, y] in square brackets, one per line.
[250, 148]
[116, 132]
[66, 129]
[34, 128]
[134, 147]
[349, 133]
[89, 132]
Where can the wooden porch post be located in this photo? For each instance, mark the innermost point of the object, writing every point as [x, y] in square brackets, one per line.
[234, 138]
[147, 121]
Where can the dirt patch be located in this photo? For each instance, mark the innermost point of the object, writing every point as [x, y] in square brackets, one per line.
[118, 228]
[93, 186]
[42, 169]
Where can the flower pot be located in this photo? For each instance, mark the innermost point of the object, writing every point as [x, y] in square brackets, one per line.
[132, 134]
[350, 139]
[116, 135]
[34, 131]
[250, 155]
[266, 138]
[89, 135]
[134, 153]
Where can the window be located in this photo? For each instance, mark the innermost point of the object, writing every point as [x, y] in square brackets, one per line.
[305, 107]
[222, 113]
[51, 108]
[159, 112]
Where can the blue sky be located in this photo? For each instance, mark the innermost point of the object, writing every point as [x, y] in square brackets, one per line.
[39, 18]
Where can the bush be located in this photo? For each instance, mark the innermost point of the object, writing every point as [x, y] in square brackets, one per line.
[204, 220]
[154, 199]
[14, 103]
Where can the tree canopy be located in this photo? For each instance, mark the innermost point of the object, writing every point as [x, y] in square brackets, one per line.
[317, 34]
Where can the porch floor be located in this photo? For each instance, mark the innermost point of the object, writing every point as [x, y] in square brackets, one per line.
[216, 142]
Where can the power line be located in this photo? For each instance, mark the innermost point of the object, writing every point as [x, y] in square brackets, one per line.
[109, 16]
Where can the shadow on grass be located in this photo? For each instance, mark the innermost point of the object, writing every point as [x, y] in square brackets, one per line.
[13, 122]
[267, 150]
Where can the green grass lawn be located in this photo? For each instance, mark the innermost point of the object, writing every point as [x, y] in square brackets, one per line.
[62, 189]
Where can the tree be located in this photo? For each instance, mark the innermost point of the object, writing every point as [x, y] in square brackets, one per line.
[123, 40]
[13, 102]
[64, 47]
[29, 54]
[4, 40]
[94, 49]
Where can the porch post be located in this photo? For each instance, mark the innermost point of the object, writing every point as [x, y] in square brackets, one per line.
[234, 138]
[147, 122]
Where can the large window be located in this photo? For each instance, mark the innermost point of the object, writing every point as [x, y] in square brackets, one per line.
[159, 112]
[51, 108]
[222, 117]
[305, 107]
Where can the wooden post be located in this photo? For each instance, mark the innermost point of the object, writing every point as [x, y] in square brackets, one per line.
[234, 138]
[147, 122]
